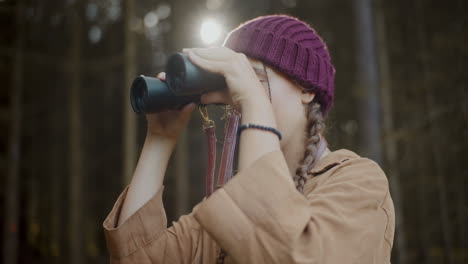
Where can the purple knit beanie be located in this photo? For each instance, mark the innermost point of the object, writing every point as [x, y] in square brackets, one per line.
[293, 48]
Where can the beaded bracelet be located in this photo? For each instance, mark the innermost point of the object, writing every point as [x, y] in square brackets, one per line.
[265, 128]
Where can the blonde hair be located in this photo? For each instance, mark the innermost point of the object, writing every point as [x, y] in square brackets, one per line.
[314, 128]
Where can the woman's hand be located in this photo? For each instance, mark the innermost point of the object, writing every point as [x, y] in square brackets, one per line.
[243, 85]
[163, 130]
[244, 91]
[169, 124]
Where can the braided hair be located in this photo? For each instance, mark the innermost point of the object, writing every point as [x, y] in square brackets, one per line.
[315, 126]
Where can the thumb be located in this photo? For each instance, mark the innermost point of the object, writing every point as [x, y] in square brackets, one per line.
[187, 110]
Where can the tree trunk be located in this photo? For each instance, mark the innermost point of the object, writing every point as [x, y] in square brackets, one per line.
[462, 205]
[390, 143]
[74, 140]
[129, 118]
[56, 182]
[10, 239]
[435, 136]
[368, 80]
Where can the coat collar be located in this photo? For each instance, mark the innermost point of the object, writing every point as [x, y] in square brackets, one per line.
[331, 160]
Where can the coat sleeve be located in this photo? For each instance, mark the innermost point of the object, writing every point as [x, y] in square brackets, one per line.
[259, 216]
[144, 237]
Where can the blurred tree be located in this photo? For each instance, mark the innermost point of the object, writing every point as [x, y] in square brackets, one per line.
[129, 124]
[68, 66]
[436, 137]
[389, 143]
[75, 224]
[11, 211]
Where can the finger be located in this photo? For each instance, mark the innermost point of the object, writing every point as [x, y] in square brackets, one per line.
[216, 97]
[188, 108]
[221, 54]
[209, 65]
[161, 75]
[186, 111]
[214, 54]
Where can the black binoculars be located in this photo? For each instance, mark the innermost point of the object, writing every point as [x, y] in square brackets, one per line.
[185, 83]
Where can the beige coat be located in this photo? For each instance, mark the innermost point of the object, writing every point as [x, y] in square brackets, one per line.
[346, 216]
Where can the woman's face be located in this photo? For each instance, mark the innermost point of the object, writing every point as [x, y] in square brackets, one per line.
[287, 98]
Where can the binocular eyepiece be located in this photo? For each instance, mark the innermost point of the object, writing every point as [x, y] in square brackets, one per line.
[185, 83]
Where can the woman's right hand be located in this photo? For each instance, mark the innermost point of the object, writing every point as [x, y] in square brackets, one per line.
[168, 124]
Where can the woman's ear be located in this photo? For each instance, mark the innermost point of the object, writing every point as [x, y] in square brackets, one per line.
[307, 97]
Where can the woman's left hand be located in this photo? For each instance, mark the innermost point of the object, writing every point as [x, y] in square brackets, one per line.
[245, 92]
[243, 85]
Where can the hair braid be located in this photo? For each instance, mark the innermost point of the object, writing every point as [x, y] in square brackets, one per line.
[315, 126]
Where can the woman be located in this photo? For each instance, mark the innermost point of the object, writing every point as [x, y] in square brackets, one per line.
[293, 200]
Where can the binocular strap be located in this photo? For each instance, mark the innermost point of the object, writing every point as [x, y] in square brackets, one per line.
[209, 178]
[227, 156]
[229, 146]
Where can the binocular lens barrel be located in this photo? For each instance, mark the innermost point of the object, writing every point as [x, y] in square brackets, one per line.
[150, 95]
[185, 83]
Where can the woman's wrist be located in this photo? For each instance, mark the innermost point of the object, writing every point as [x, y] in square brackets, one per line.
[165, 143]
[256, 143]
[253, 97]
[258, 110]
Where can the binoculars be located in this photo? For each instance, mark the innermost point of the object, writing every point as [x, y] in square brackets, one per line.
[185, 83]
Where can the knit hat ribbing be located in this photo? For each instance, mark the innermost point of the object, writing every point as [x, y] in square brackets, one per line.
[291, 47]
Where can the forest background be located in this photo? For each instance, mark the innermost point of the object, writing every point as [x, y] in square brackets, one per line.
[69, 140]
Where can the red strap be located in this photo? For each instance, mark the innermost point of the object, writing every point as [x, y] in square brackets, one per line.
[227, 156]
[209, 178]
